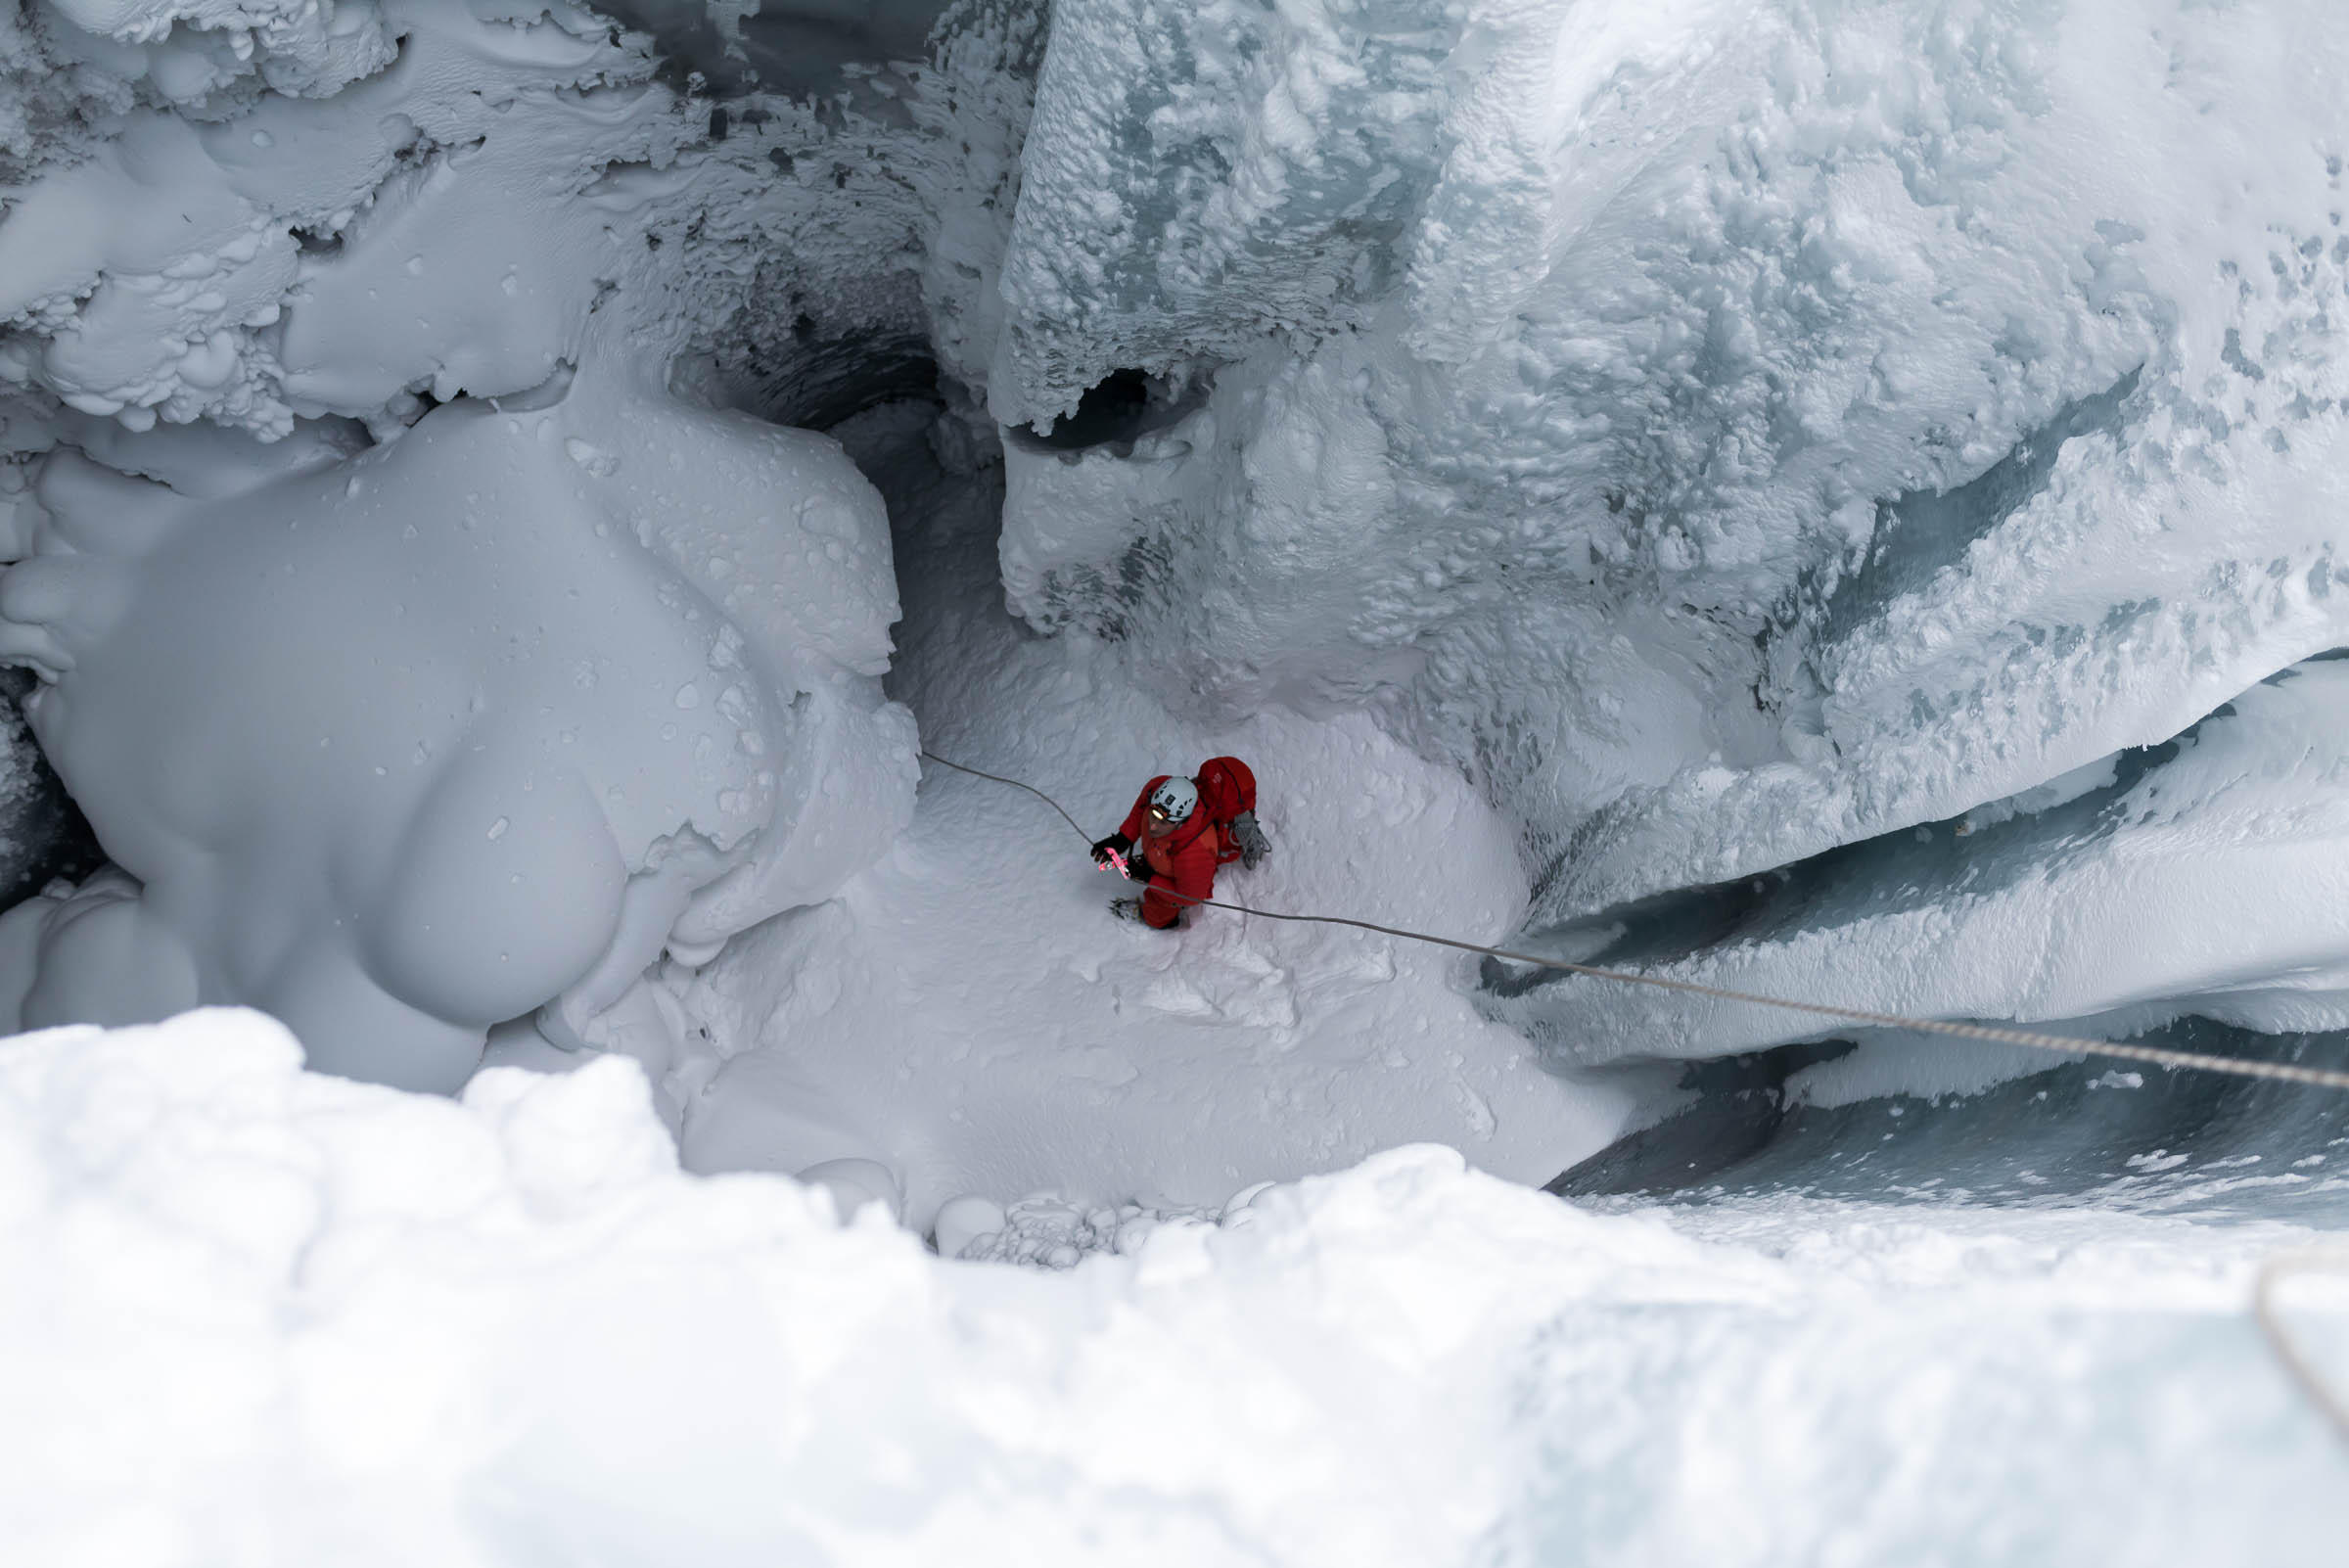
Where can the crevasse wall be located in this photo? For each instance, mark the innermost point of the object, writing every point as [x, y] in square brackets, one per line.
[1563, 379]
[1725, 431]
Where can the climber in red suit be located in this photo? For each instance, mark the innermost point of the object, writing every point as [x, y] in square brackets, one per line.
[1178, 832]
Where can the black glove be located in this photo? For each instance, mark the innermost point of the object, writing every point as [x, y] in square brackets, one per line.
[1254, 846]
[1138, 872]
[1116, 844]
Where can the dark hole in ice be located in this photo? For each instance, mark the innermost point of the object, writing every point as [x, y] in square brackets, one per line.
[1120, 407]
[1111, 410]
[814, 378]
[43, 835]
[1741, 1106]
[795, 48]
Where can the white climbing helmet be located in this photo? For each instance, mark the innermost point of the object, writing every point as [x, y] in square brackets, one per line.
[1174, 800]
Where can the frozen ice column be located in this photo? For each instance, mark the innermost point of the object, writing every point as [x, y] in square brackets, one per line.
[468, 725]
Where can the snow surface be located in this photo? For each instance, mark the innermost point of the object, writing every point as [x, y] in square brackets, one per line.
[267, 1316]
[966, 1015]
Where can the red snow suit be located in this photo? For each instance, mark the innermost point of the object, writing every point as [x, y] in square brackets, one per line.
[1183, 861]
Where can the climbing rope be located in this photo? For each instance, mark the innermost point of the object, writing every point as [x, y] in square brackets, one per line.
[2288, 1352]
[1074, 824]
[2155, 1055]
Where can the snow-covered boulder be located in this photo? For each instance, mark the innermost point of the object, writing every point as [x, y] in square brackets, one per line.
[485, 720]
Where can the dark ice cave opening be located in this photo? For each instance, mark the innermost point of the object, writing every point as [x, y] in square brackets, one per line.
[792, 49]
[49, 838]
[1118, 409]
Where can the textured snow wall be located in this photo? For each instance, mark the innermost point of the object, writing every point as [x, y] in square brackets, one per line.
[248, 1321]
[423, 653]
[1727, 431]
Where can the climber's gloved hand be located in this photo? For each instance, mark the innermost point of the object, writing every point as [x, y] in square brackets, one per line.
[1137, 870]
[1254, 846]
[1112, 850]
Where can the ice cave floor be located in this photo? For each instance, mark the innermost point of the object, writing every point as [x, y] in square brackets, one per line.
[969, 1015]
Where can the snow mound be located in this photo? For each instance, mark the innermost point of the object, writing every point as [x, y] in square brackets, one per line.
[263, 1314]
[188, 53]
[408, 742]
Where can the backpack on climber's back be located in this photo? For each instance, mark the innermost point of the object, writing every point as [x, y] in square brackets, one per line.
[1227, 795]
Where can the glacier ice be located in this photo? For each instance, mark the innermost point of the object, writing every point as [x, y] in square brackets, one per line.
[2144, 892]
[1728, 432]
[1836, 495]
[1584, 486]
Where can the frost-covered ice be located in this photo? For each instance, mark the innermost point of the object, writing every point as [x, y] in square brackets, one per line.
[1724, 433]
[1840, 497]
[1732, 431]
[262, 1316]
[2211, 882]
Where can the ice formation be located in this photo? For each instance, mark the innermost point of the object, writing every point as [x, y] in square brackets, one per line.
[1725, 433]
[1839, 497]
[1728, 431]
[2126, 904]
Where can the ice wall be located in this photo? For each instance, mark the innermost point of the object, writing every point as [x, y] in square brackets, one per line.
[2202, 877]
[1578, 383]
[1729, 431]
[1726, 432]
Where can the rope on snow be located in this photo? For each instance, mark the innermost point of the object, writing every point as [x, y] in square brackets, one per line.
[2155, 1055]
[2289, 1351]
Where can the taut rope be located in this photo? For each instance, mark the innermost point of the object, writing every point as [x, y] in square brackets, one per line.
[2155, 1055]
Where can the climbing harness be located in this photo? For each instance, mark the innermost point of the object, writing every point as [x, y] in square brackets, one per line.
[2155, 1055]
[2294, 1360]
